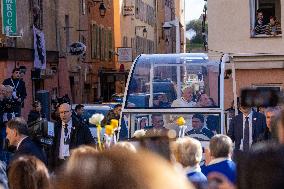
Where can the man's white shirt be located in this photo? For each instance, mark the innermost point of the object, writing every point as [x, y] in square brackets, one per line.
[182, 103]
[250, 129]
[21, 142]
[64, 148]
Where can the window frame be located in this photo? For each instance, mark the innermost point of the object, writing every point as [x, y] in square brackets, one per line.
[254, 6]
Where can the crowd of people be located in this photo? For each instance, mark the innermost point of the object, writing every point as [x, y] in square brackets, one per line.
[12, 96]
[79, 163]
[241, 159]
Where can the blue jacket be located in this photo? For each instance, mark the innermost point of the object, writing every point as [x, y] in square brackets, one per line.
[226, 167]
[197, 177]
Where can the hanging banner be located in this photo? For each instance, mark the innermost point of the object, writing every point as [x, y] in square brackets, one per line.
[39, 49]
[9, 17]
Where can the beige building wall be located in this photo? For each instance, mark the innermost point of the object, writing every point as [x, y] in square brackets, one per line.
[49, 25]
[180, 12]
[160, 32]
[229, 31]
[69, 12]
[166, 11]
[132, 26]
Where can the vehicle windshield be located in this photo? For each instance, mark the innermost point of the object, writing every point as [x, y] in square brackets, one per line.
[174, 81]
[201, 126]
[89, 112]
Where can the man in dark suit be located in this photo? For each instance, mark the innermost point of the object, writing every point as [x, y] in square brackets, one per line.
[19, 89]
[69, 134]
[79, 113]
[199, 131]
[246, 128]
[17, 134]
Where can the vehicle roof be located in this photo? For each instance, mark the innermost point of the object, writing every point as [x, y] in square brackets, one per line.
[94, 106]
[172, 58]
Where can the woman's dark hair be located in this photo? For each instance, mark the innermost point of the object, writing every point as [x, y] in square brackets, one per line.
[28, 172]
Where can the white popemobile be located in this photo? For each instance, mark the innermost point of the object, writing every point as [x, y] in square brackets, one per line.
[164, 87]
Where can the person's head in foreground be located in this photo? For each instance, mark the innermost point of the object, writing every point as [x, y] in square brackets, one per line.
[28, 172]
[221, 146]
[188, 152]
[119, 169]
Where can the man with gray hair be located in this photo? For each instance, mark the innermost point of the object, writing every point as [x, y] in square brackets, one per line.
[186, 99]
[17, 134]
[270, 114]
[188, 152]
[221, 148]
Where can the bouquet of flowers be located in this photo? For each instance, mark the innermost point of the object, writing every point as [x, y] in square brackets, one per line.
[96, 119]
[110, 129]
[110, 132]
[181, 124]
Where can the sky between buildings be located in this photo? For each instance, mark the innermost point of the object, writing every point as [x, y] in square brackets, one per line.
[193, 10]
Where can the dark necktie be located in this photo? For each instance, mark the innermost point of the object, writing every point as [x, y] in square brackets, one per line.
[246, 136]
[66, 137]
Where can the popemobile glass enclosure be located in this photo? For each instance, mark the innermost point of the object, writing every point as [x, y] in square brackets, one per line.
[163, 87]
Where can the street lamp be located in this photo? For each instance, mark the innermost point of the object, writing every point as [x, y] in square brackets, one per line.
[102, 9]
[144, 30]
[170, 24]
[204, 35]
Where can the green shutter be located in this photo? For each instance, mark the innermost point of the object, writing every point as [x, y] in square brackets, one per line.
[110, 44]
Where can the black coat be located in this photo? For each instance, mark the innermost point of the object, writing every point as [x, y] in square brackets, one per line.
[80, 135]
[266, 135]
[236, 128]
[28, 147]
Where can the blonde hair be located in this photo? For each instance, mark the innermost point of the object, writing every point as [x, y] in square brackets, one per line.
[188, 151]
[126, 146]
[77, 154]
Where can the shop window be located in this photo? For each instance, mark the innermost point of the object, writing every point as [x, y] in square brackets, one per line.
[265, 18]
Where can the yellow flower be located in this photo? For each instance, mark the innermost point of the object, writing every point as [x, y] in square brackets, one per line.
[109, 130]
[180, 121]
[114, 123]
